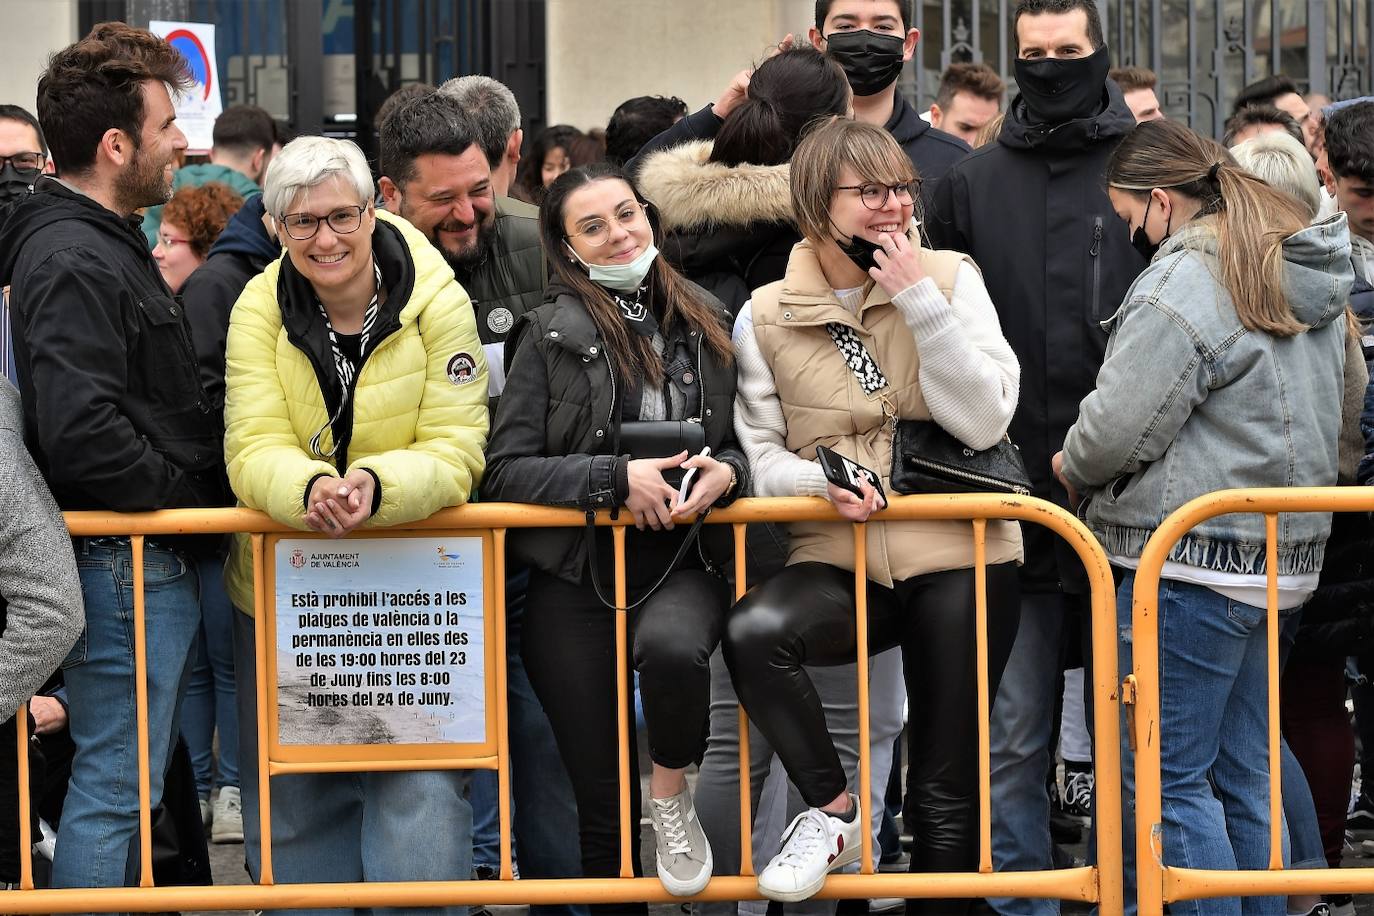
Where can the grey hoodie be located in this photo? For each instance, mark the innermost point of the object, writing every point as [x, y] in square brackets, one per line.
[1189, 401]
[40, 594]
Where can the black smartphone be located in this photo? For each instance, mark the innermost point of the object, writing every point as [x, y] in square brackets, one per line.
[846, 473]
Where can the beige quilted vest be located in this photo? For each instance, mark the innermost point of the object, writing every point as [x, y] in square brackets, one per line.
[824, 404]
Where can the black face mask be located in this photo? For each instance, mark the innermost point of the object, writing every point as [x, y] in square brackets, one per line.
[15, 183]
[1058, 90]
[1140, 240]
[860, 250]
[872, 62]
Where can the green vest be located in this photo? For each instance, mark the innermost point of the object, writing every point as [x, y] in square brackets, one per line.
[512, 279]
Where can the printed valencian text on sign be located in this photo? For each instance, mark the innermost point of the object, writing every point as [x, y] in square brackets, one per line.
[380, 641]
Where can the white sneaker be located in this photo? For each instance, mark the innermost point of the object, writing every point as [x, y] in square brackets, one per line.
[206, 813]
[814, 845]
[682, 854]
[228, 823]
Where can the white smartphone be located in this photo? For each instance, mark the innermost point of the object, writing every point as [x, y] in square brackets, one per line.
[689, 477]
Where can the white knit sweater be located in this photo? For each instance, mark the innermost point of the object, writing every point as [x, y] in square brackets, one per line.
[969, 378]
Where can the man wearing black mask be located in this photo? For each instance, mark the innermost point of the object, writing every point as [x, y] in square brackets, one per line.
[23, 154]
[1032, 210]
[872, 40]
[23, 157]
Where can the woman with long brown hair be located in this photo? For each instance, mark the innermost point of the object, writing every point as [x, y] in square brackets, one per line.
[623, 379]
[1223, 369]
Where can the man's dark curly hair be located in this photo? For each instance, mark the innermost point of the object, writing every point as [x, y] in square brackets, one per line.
[1350, 142]
[97, 84]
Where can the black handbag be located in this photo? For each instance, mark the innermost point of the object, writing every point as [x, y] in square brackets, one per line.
[926, 459]
[662, 439]
[652, 439]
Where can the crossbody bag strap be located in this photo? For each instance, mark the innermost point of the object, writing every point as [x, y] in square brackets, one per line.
[592, 560]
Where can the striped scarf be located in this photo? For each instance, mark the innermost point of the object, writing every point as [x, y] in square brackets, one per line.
[343, 366]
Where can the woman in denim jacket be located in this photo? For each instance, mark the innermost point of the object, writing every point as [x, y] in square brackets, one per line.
[1224, 369]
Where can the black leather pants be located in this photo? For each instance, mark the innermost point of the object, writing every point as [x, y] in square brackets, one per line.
[805, 616]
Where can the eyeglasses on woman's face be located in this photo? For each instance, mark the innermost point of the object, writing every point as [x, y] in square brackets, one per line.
[597, 231]
[342, 221]
[874, 195]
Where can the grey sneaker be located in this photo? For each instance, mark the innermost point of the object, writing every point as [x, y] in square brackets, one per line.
[228, 817]
[682, 853]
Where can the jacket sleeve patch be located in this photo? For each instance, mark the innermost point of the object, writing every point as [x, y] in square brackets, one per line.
[461, 368]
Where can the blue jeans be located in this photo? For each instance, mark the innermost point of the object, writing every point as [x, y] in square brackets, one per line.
[486, 821]
[1022, 722]
[333, 828]
[210, 692]
[344, 827]
[100, 817]
[1213, 739]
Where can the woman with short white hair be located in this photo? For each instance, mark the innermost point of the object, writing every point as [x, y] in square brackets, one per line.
[356, 396]
[1282, 163]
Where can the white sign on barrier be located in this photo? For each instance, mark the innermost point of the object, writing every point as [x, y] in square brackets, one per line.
[380, 641]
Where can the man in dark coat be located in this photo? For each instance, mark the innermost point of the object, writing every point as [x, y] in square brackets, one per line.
[872, 40]
[240, 253]
[114, 413]
[1032, 210]
[436, 175]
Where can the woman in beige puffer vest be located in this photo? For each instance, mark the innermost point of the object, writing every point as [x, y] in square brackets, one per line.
[832, 356]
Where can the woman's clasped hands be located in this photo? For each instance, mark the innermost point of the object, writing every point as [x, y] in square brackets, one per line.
[339, 505]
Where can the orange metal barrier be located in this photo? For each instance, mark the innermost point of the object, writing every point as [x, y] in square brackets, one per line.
[1101, 884]
[1160, 884]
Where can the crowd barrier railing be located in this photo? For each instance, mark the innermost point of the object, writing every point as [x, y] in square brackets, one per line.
[1160, 884]
[1100, 883]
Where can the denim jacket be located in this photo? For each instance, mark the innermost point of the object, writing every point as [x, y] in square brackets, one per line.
[1189, 401]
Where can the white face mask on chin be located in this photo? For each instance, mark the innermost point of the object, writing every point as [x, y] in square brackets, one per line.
[625, 278]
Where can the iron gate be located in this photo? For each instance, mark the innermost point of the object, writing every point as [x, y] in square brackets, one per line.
[400, 42]
[1204, 51]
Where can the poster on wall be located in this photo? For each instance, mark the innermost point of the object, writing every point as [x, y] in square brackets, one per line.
[198, 107]
[380, 641]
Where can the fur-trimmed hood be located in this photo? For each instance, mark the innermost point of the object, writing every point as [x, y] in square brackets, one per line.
[692, 193]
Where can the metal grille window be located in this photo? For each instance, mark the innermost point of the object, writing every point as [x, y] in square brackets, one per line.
[1204, 51]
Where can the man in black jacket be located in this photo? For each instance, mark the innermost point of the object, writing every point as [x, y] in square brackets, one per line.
[1032, 210]
[114, 413]
[872, 40]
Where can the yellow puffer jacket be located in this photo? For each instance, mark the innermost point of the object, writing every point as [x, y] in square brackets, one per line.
[420, 402]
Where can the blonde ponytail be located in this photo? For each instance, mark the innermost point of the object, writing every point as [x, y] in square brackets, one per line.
[1249, 218]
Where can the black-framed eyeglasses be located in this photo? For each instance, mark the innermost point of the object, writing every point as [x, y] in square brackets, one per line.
[874, 195]
[30, 162]
[303, 226]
